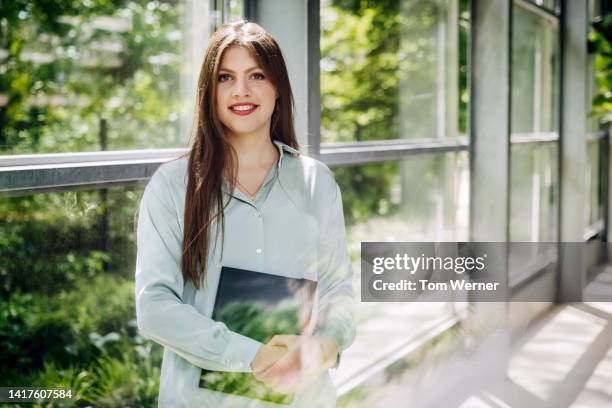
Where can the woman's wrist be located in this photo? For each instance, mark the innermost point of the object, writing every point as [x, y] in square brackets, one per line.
[329, 350]
[266, 356]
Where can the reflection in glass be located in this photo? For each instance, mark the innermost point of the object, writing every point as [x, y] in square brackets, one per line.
[259, 306]
[593, 188]
[534, 202]
[67, 315]
[51, 240]
[106, 76]
[392, 71]
[595, 65]
[421, 198]
[236, 10]
[551, 5]
[534, 208]
[534, 178]
[592, 120]
[535, 73]
[594, 9]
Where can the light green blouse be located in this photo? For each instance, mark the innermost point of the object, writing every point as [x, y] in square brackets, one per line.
[293, 227]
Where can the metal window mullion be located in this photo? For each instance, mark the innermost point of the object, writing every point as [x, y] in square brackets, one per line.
[361, 153]
[573, 154]
[31, 179]
[295, 26]
[82, 158]
[541, 137]
[490, 120]
[489, 147]
[605, 182]
[314, 76]
[37, 172]
[34, 174]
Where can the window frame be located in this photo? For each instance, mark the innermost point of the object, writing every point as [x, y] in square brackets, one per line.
[23, 174]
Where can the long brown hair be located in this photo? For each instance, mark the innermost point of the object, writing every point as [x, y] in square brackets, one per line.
[211, 156]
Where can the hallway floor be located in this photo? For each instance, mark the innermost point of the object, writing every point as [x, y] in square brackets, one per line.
[564, 359]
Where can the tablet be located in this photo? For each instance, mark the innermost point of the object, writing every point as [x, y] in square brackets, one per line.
[258, 305]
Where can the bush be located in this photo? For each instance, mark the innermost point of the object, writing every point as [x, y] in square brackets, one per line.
[84, 339]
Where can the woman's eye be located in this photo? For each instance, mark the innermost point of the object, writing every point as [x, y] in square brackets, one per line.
[223, 77]
[259, 76]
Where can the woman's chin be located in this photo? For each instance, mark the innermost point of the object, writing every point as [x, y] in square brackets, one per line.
[239, 131]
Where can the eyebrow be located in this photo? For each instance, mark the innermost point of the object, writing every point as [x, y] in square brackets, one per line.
[233, 72]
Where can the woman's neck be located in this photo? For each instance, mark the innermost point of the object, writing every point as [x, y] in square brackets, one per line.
[254, 152]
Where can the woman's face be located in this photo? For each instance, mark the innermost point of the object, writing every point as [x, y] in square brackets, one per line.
[245, 96]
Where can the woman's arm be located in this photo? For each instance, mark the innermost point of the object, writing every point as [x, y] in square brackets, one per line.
[161, 314]
[335, 287]
[306, 355]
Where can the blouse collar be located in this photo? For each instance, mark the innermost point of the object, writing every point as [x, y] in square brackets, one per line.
[282, 147]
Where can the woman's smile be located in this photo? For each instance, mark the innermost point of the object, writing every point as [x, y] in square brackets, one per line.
[243, 109]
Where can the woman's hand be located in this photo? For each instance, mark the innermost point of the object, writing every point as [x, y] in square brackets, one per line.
[266, 356]
[306, 357]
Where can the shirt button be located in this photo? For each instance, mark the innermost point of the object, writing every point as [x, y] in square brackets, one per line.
[258, 214]
[258, 251]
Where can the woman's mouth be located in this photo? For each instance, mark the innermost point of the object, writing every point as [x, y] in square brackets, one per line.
[243, 109]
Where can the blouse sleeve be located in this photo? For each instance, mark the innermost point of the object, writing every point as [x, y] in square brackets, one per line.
[161, 314]
[335, 312]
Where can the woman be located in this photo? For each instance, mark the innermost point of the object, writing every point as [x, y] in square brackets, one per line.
[243, 198]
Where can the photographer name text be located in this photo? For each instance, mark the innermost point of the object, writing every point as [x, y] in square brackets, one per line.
[425, 285]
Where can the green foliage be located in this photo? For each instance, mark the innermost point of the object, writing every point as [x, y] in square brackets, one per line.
[70, 66]
[260, 324]
[244, 384]
[359, 80]
[359, 42]
[84, 339]
[600, 44]
[365, 190]
[126, 380]
[74, 230]
[257, 323]
[370, 52]
[59, 328]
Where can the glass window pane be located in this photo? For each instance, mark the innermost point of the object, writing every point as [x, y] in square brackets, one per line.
[597, 77]
[593, 189]
[421, 198]
[535, 73]
[66, 236]
[534, 199]
[101, 76]
[236, 9]
[391, 70]
[594, 9]
[534, 178]
[592, 90]
[67, 296]
[552, 5]
[534, 208]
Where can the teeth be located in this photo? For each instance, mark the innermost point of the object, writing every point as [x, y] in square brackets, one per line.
[243, 107]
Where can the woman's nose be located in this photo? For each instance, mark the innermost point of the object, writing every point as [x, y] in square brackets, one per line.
[241, 88]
